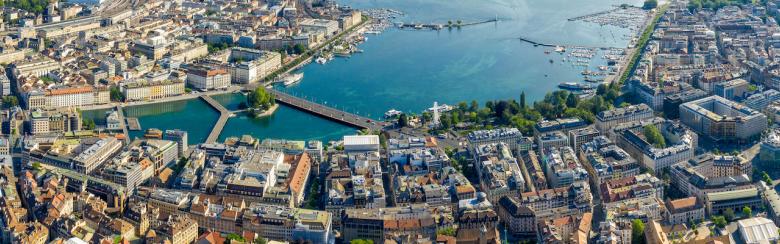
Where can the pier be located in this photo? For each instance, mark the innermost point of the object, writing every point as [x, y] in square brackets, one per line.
[224, 115]
[327, 112]
[434, 26]
[535, 43]
[133, 124]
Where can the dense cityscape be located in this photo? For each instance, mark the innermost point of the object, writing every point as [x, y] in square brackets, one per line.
[672, 139]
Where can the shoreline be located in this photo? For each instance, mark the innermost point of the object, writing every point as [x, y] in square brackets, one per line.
[268, 112]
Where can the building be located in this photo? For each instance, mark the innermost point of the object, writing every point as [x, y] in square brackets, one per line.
[757, 230]
[563, 167]
[207, 78]
[65, 120]
[672, 102]
[477, 221]
[718, 186]
[608, 160]
[180, 137]
[563, 124]
[366, 143]
[65, 97]
[180, 229]
[578, 137]
[769, 154]
[509, 136]
[574, 199]
[253, 64]
[553, 139]
[684, 211]
[519, 220]
[654, 233]
[329, 27]
[142, 90]
[379, 224]
[92, 156]
[731, 89]
[608, 119]
[498, 171]
[761, 101]
[682, 145]
[722, 120]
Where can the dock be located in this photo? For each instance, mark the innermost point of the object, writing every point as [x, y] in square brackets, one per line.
[327, 112]
[224, 115]
[133, 124]
[535, 43]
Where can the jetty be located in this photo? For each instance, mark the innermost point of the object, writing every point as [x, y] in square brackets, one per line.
[224, 115]
[133, 124]
[535, 43]
[326, 111]
[435, 26]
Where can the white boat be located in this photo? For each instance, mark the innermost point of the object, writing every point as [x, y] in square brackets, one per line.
[373, 32]
[321, 60]
[560, 49]
[392, 113]
[292, 79]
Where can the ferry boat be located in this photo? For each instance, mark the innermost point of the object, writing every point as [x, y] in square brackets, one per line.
[575, 86]
[292, 79]
[392, 113]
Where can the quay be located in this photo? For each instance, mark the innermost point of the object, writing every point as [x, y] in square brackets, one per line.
[327, 112]
[434, 26]
[596, 14]
[224, 115]
[133, 124]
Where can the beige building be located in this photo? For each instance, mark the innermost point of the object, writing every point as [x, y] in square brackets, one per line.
[148, 90]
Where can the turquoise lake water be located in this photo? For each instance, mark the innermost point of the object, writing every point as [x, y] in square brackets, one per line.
[410, 69]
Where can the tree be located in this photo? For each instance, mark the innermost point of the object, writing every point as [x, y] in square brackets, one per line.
[260, 99]
[747, 212]
[765, 177]
[637, 231]
[403, 120]
[116, 94]
[522, 100]
[10, 101]
[474, 106]
[299, 48]
[89, 124]
[719, 221]
[361, 241]
[650, 4]
[235, 237]
[653, 136]
[260, 240]
[572, 100]
[729, 214]
[449, 231]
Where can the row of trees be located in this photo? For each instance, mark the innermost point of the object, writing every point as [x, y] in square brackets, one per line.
[557, 104]
[35, 6]
[714, 4]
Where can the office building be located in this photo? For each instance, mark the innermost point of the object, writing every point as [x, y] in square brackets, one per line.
[722, 120]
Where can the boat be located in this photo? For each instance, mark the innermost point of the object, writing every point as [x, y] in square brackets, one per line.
[292, 79]
[373, 32]
[560, 49]
[392, 113]
[321, 60]
[574, 86]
